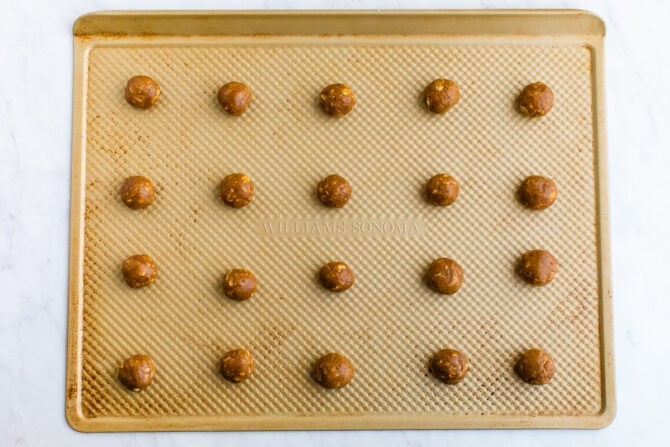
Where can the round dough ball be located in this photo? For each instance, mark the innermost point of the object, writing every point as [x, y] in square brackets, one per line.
[333, 370]
[337, 99]
[142, 92]
[537, 267]
[334, 191]
[449, 366]
[535, 367]
[442, 190]
[234, 97]
[441, 95]
[536, 100]
[336, 276]
[139, 271]
[444, 276]
[137, 192]
[537, 192]
[237, 365]
[137, 372]
[236, 190]
[239, 284]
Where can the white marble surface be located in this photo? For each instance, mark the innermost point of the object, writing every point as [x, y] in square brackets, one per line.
[35, 126]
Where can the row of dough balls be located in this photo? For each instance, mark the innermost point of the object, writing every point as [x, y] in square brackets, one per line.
[335, 370]
[439, 96]
[334, 191]
[443, 275]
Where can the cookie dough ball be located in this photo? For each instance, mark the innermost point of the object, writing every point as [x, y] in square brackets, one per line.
[449, 366]
[538, 267]
[444, 276]
[234, 97]
[137, 192]
[336, 276]
[535, 367]
[333, 370]
[333, 191]
[537, 192]
[442, 190]
[337, 99]
[142, 92]
[237, 365]
[441, 95]
[536, 100]
[137, 372]
[236, 190]
[239, 284]
[139, 271]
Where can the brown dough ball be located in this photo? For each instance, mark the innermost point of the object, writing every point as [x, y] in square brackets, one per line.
[441, 95]
[537, 192]
[139, 271]
[337, 99]
[237, 365]
[538, 267]
[535, 367]
[336, 276]
[137, 192]
[333, 191]
[137, 372]
[444, 276]
[142, 92]
[239, 284]
[536, 100]
[442, 190]
[333, 370]
[236, 190]
[449, 366]
[234, 97]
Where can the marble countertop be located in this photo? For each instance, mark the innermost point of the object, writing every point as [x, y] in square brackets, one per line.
[35, 127]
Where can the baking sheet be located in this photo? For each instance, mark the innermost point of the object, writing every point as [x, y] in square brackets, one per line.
[389, 323]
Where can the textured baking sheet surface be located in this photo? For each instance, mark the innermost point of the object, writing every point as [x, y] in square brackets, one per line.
[389, 323]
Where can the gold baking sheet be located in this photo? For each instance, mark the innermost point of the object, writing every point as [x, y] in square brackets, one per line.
[389, 323]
